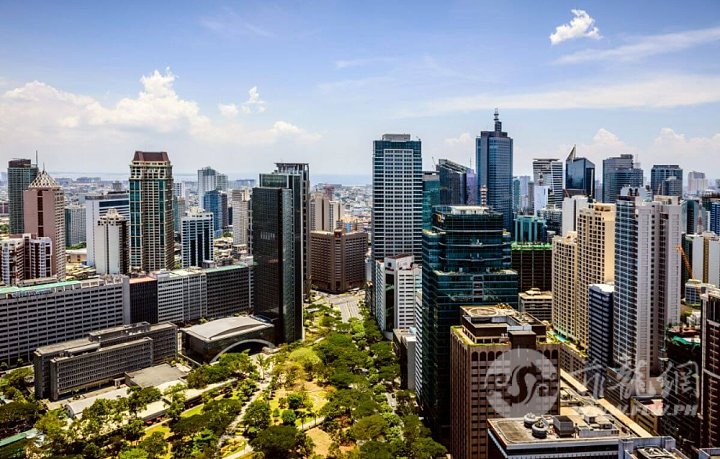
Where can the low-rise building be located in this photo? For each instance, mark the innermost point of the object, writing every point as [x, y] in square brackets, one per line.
[536, 303]
[204, 342]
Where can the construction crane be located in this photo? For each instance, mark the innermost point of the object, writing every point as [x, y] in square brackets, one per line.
[688, 266]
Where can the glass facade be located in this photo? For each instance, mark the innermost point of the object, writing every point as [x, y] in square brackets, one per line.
[215, 201]
[619, 172]
[666, 180]
[458, 184]
[430, 197]
[494, 159]
[21, 173]
[580, 176]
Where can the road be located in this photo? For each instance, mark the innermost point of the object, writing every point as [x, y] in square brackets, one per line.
[348, 305]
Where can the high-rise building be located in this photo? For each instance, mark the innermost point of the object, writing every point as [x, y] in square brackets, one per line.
[240, 203]
[494, 338]
[208, 180]
[179, 190]
[553, 219]
[197, 237]
[550, 171]
[570, 208]
[715, 217]
[494, 150]
[38, 258]
[533, 264]
[647, 282]
[666, 180]
[179, 211]
[338, 259]
[697, 183]
[458, 184]
[541, 198]
[12, 260]
[564, 283]
[466, 262]
[619, 172]
[324, 212]
[215, 202]
[397, 197]
[703, 252]
[397, 280]
[278, 288]
[430, 196]
[710, 380]
[44, 206]
[579, 176]
[152, 243]
[75, 220]
[536, 303]
[20, 174]
[95, 207]
[600, 332]
[112, 246]
[529, 228]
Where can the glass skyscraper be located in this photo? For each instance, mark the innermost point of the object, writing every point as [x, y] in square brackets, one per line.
[579, 176]
[551, 172]
[666, 180]
[619, 172]
[494, 159]
[466, 262]
[21, 173]
[215, 201]
[458, 184]
[430, 196]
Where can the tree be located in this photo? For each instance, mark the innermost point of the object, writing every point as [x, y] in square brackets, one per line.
[375, 450]
[280, 442]
[176, 405]
[155, 445]
[134, 453]
[295, 401]
[264, 363]
[140, 398]
[288, 417]
[257, 416]
[369, 428]
[427, 448]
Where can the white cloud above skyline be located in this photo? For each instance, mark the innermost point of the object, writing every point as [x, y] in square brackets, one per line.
[582, 25]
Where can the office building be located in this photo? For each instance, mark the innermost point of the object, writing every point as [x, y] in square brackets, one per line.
[75, 219]
[570, 208]
[197, 237]
[95, 207]
[324, 212]
[240, 204]
[215, 202]
[564, 284]
[550, 172]
[152, 243]
[710, 379]
[647, 282]
[533, 264]
[666, 180]
[210, 180]
[179, 211]
[112, 244]
[715, 217]
[458, 184]
[182, 295]
[143, 294]
[397, 197]
[579, 176]
[44, 206]
[278, 292]
[38, 255]
[494, 150]
[338, 260]
[553, 219]
[36, 316]
[536, 303]
[697, 183]
[405, 345]
[229, 290]
[541, 197]
[466, 262]
[600, 336]
[619, 172]
[12, 260]
[20, 174]
[490, 343]
[101, 357]
[529, 228]
[430, 196]
[397, 280]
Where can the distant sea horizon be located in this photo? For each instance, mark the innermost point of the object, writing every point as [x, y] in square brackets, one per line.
[341, 179]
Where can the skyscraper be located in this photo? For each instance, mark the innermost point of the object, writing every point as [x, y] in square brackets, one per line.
[215, 202]
[579, 176]
[152, 245]
[666, 180]
[619, 172]
[397, 197]
[458, 184]
[466, 262]
[20, 174]
[75, 220]
[112, 254]
[647, 282]
[430, 196]
[95, 207]
[697, 183]
[397, 280]
[278, 288]
[44, 210]
[240, 202]
[494, 150]
[551, 171]
[710, 381]
[324, 212]
[208, 180]
[600, 336]
[197, 237]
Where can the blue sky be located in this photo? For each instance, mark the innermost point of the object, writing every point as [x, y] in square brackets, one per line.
[240, 85]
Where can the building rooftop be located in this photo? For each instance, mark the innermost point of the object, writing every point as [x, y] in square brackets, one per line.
[154, 376]
[531, 246]
[535, 294]
[225, 328]
[43, 180]
[151, 156]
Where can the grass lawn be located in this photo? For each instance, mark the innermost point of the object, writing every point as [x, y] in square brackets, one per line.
[192, 411]
[158, 428]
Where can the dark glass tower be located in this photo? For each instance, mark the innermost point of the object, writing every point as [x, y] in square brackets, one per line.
[494, 151]
[278, 287]
[458, 184]
[619, 172]
[215, 201]
[579, 176]
[21, 173]
[666, 180]
[430, 196]
[466, 262]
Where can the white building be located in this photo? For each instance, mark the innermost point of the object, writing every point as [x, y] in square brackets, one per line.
[112, 244]
[182, 295]
[95, 207]
[398, 280]
[541, 198]
[208, 180]
[75, 221]
[241, 216]
[705, 256]
[697, 183]
[197, 238]
[570, 208]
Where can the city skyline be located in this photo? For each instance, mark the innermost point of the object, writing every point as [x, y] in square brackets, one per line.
[597, 72]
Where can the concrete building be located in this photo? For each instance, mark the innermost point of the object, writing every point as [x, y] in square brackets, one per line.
[101, 357]
[152, 241]
[492, 342]
[241, 223]
[39, 315]
[112, 243]
[405, 346]
[710, 379]
[533, 264]
[494, 160]
[206, 341]
[550, 172]
[703, 252]
[97, 206]
[209, 180]
[182, 295]
[570, 209]
[697, 183]
[398, 278]
[230, 291]
[20, 174]
[536, 303]
[44, 204]
[564, 283]
[324, 212]
[12, 260]
[75, 220]
[619, 172]
[338, 260]
[600, 336]
[666, 180]
[197, 238]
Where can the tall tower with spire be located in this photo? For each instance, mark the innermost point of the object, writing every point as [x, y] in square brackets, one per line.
[44, 216]
[494, 162]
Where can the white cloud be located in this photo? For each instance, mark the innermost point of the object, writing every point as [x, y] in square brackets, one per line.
[463, 139]
[254, 104]
[646, 46]
[656, 92]
[670, 143]
[581, 26]
[228, 110]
